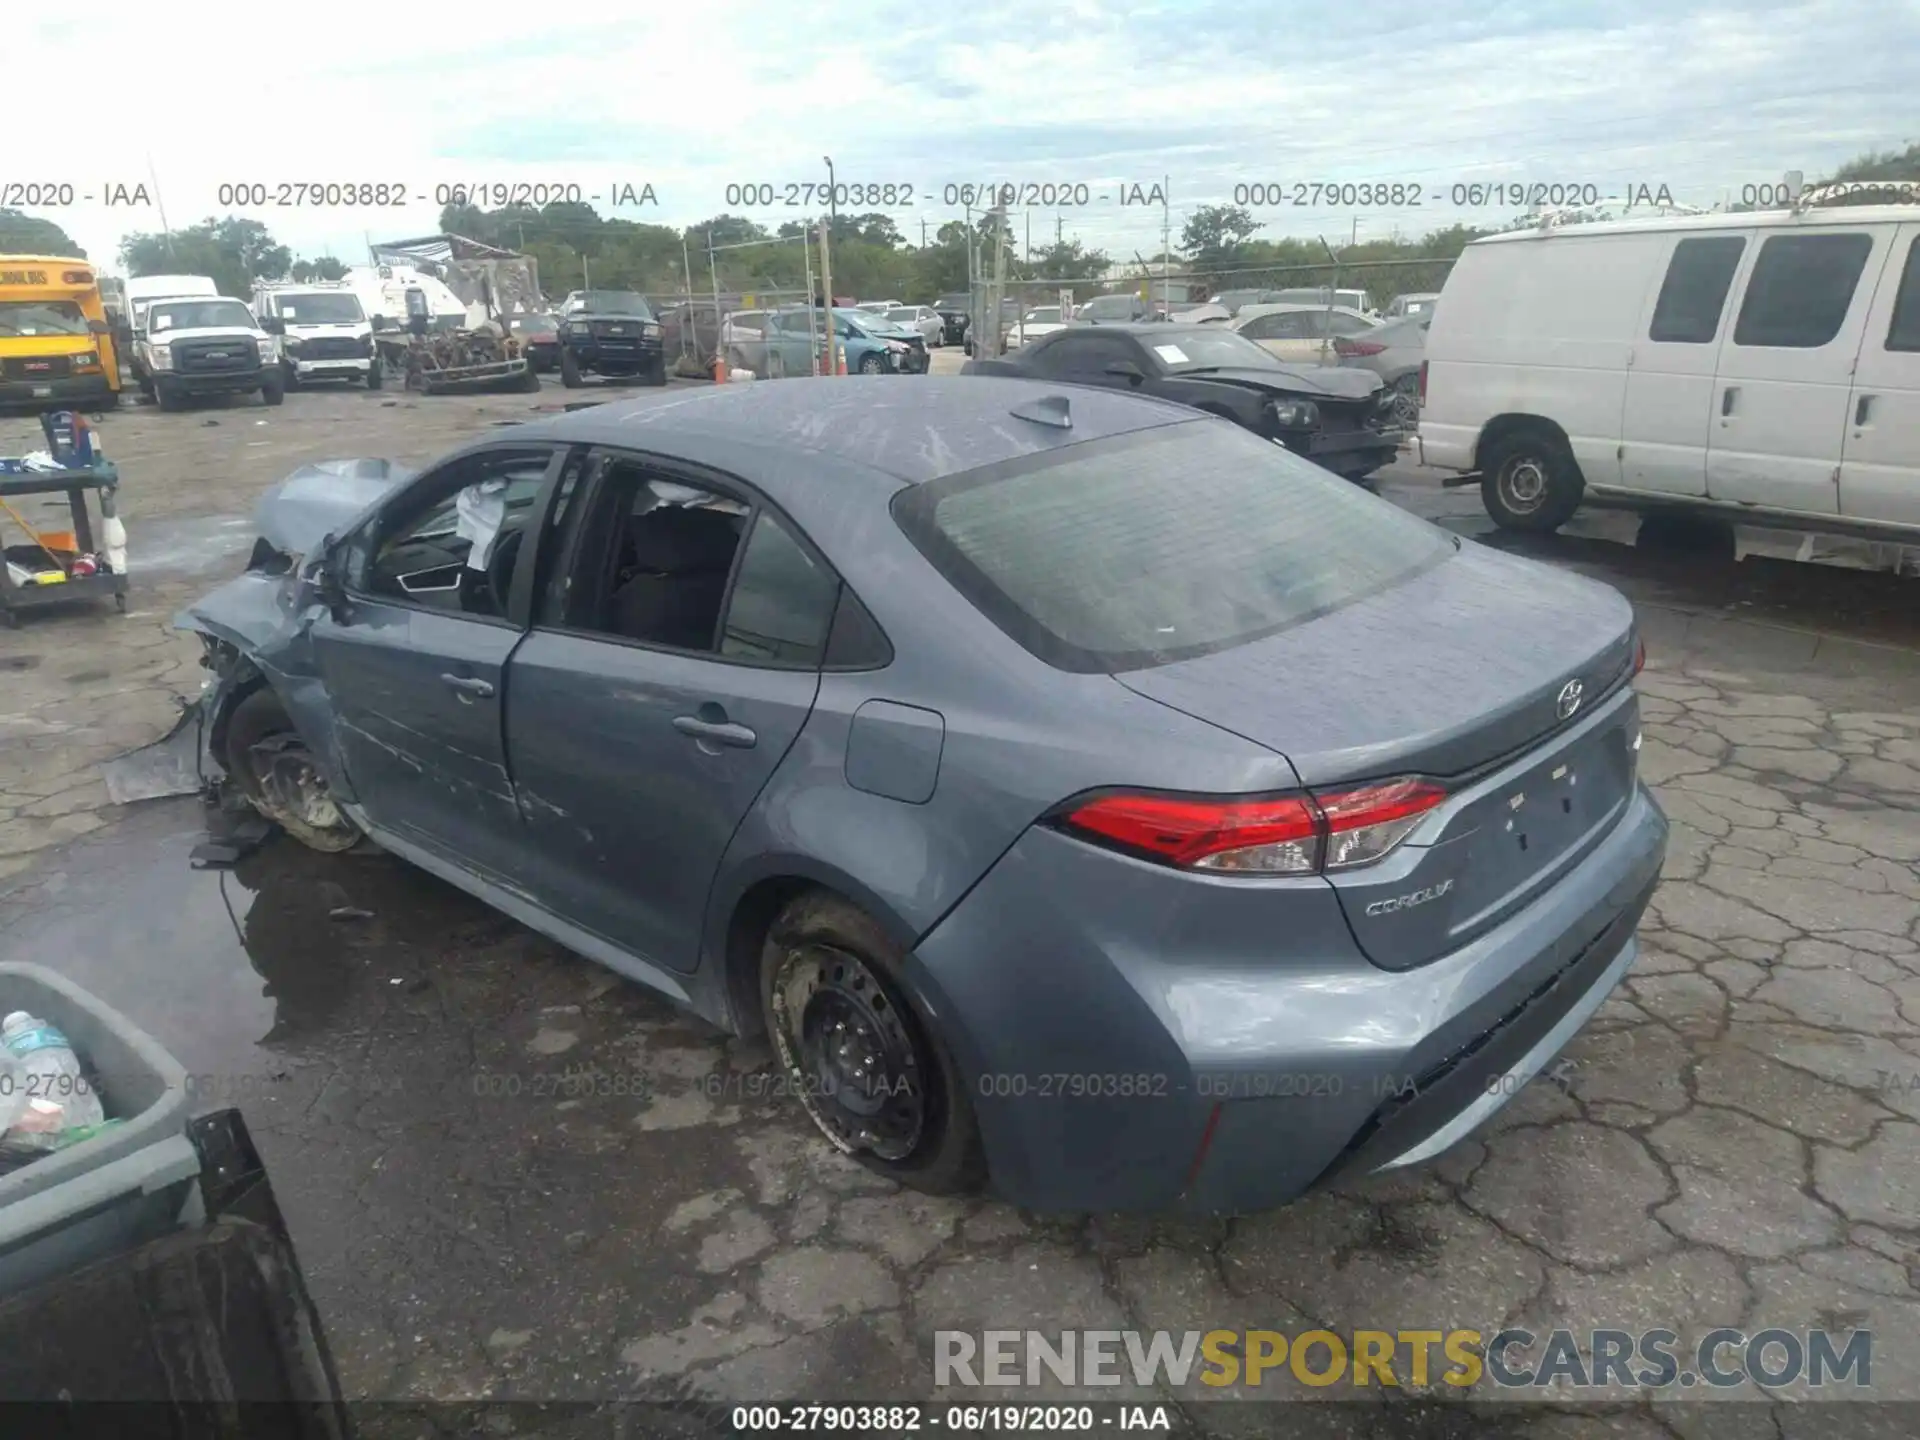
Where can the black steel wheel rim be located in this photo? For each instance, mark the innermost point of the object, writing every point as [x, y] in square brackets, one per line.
[851, 1054]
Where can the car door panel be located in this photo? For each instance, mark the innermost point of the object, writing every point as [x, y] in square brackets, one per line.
[417, 691]
[1667, 410]
[418, 706]
[1880, 460]
[634, 766]
[1780, 411]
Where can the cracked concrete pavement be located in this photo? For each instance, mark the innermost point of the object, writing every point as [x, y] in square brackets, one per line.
[511, 1174]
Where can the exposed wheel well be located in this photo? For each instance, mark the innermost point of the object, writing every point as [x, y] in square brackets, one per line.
[217, 740]
[747, 930]
[1502, 426]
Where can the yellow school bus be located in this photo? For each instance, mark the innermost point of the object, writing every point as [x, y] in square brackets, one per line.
[56, 347]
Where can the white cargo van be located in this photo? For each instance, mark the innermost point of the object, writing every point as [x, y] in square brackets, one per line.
[324, 331]
[1759, 366]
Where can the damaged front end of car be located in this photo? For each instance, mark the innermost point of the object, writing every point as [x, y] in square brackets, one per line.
[261, 730]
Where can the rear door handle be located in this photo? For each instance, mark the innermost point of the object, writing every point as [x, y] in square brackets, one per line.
[721, 732]
[469, 684]
[1726, 399]
[1862, 408]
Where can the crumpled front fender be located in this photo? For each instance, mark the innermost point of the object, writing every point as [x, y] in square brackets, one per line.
[260, 624]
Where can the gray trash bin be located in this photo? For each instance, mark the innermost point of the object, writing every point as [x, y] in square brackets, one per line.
[151, 1264]
[131, 1184]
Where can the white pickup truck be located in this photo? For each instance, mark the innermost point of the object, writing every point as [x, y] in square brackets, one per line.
[194, 347]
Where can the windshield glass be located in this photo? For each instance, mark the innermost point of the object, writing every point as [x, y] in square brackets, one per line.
[1108, 307]
[903, 317]
[521, 324]
[1161, 545]
[335, 307]
[41, 317]
[198, 315]
[1045, 315]
[614, 302]
[1191, 348]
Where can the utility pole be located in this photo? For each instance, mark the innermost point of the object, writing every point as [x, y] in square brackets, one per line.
[923, 232]
[1059, 231]
[826, 285]
[1029, 237]
[713, 274]
[161, 205]
[1166, 237]
[833, 205]
[686, 264]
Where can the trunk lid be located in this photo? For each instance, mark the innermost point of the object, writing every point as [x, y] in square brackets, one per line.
[1461, 673]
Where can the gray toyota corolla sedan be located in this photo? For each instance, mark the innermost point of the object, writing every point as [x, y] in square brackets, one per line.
[1087, 795]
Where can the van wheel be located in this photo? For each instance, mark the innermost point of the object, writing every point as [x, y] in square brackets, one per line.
[1530, 481]
[865, 1065]
[275, 771]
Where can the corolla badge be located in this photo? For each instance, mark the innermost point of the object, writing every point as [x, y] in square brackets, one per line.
[1568, 700]
[1407, 902]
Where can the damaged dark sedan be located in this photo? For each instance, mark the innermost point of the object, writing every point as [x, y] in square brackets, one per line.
[1087, 798]
[1340, 419]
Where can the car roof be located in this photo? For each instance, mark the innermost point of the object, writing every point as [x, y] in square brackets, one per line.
[1716, 220]
[1254, 312]
[910, 431]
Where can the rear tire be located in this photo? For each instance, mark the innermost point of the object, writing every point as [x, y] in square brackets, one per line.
[831, 998]
[1530, 481]
[569, 370]
[270, 763]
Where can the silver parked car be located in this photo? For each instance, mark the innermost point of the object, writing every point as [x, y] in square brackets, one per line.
[1084, 794]
[1418, 303]
[921, 318]
[1394, 352]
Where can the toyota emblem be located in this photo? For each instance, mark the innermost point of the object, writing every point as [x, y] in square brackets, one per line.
[1568, 700]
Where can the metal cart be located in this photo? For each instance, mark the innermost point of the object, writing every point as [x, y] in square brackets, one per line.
[101, 479]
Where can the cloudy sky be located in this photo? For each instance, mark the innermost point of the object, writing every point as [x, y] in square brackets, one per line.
[1703, 96]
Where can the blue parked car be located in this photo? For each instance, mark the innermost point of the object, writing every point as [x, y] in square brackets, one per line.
[1086, 794]
[869, 346]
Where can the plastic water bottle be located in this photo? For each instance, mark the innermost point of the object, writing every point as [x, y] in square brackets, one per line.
[50, 1069]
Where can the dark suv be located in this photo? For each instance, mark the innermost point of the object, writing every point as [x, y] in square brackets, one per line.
[613, 333]
[956, 313]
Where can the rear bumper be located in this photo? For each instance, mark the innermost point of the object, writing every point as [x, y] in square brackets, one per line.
[1447, 447]
[1133, 1038]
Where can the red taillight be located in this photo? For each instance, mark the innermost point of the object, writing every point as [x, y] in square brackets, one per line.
[1344, 346]
[1639, 655]
[1423, 382]
[1186, 831]
[1272, 835]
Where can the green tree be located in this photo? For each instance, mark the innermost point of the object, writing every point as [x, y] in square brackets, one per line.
[1215, 235]
[22, 234]
[233, 252]
[1068, 260]
[324, 268]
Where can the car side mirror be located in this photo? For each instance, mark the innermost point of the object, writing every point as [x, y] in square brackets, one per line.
[327, 576]
[1126, 370]
[99, 327]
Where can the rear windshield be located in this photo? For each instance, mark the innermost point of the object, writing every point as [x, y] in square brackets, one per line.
[1157, 546]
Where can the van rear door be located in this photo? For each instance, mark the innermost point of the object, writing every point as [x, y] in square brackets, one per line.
[1782, 384]
[1669, 400]
[1880, 456]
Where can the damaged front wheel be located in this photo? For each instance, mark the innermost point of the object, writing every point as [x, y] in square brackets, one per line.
[276, 772]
